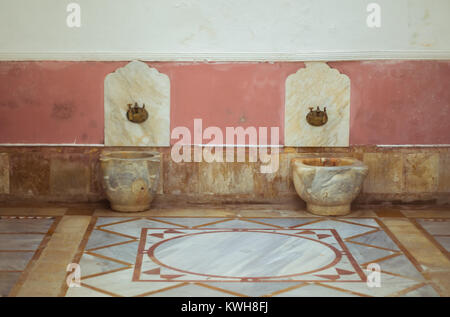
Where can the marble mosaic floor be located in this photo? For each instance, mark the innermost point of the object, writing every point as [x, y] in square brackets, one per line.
[223, 253]
[437, 230]
[243, 257]
[21, 238]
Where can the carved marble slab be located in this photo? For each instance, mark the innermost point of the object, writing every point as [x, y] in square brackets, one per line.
[137, 82]
[317, 85]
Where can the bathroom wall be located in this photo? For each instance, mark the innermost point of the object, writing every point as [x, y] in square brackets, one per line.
[392, 102]
[227, 62]
[61, 103]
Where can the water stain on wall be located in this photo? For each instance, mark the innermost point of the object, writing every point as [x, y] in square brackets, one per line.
[63, 111]
[10, 104]
[93, 124]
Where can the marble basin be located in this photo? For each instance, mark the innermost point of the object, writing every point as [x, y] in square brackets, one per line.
[328, 185]
[130, 179]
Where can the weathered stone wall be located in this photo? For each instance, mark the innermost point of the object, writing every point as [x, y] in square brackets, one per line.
[72, 174]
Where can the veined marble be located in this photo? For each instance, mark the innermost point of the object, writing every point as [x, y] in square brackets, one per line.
[243, 257]
[137, 82]
[130, 179]
[439, 229]
[317, 85]
[286, 253]
[328, 185]
[4, 173]
[20, 238]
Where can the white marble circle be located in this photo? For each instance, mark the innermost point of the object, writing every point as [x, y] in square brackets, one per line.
[245, 254]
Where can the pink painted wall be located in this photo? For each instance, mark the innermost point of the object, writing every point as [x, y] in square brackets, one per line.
[52, 102]
[406, 102]
[230, 95]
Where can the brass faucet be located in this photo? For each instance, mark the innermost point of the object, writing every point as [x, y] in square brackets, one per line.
[136, 114]
[317, 117]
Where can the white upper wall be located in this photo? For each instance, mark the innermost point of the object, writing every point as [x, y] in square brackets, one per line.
[220, 30]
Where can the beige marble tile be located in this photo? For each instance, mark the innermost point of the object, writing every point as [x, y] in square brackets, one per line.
[179, 178]
[274, 214]
[160, 189]
[69, 176]
[317, 85]
[441, 280]
[291, 205]
[59, 252]
[30, 173]
[429, 213]
[226, 178]
[422, 249]
[137, 82]
[421, 172]
[389, 213]
[32, 211]
[360, 213]
[271, 185]
[173, 212]
[285, 170]
[385, 173]
[444, 172]
[4, 173]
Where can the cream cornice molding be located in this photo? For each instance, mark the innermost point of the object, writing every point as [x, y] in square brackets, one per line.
[225, 56]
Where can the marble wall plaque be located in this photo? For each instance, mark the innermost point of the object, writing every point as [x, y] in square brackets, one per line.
[317, 85]
[137, 82]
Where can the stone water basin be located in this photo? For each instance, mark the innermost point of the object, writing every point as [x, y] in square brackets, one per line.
[328, 185]
[130, 179]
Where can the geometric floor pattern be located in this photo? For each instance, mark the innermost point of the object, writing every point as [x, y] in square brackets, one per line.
[201, 257]
[15, 254]
[438, 230]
